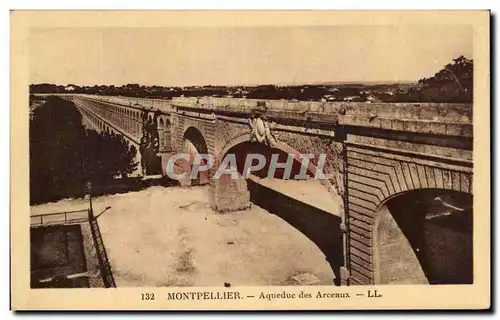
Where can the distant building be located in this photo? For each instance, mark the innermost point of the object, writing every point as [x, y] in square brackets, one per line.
[353, 98]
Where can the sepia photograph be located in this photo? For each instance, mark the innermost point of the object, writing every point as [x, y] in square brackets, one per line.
[263, 166]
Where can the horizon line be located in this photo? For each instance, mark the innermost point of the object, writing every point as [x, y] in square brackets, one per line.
[331, 83]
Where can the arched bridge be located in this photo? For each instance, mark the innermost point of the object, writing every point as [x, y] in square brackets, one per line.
[395, 172]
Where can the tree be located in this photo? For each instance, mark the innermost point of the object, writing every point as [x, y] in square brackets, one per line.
[56, 140]
[64, 155]
[453, 83]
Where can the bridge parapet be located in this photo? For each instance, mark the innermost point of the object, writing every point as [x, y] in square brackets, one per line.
[439, 112]
[433, 118]
[430, 118]
[139, 103]
[349, 113]
[249, 104]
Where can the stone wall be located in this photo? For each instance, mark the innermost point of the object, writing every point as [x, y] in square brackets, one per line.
[227, 132]
[334, 165]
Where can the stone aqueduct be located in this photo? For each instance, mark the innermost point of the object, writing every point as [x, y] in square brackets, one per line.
[374, 152]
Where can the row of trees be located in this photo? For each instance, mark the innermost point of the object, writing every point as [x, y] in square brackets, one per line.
[64, 155]
[131, 90]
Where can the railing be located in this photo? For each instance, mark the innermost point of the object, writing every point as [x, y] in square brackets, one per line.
[75, 216]
[78, 216]
[102, 257]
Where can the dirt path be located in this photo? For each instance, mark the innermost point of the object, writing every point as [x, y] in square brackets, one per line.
[171, 237]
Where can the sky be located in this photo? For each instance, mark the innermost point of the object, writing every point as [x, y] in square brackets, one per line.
[244, 55]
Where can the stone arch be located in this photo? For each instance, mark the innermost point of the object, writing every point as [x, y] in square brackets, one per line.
[278, 145]
[164, 134]
[284, 147]
[245, 137]
[194, 135]
[319, 222]
[167, 134]
[194, 143]
[427, 229]
[388, 196]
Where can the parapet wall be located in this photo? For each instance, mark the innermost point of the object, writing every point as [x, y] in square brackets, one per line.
[349, 113]
[442, 112]
[157, 104]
